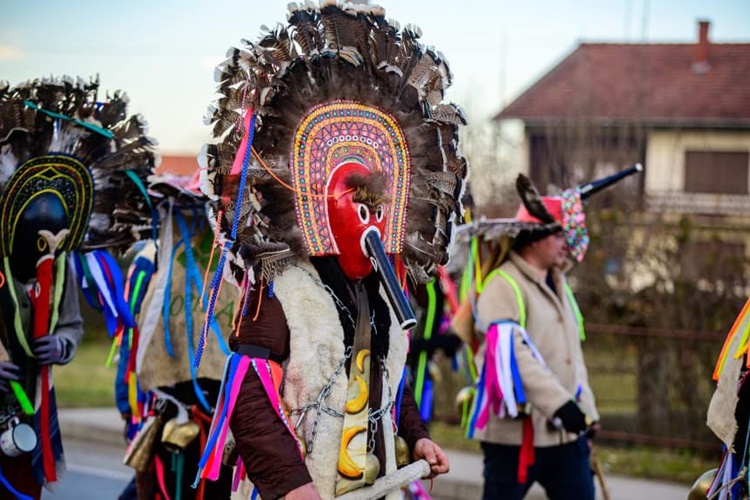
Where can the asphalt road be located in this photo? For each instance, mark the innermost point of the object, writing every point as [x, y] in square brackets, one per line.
[94, 472]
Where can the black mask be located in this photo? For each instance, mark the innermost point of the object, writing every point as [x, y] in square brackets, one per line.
[44, 211]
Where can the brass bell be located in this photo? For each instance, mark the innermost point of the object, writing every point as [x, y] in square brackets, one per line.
[178, 436]
[141, 449]
[402, 452]
[699, 491]
[372, 468]
[230, 454]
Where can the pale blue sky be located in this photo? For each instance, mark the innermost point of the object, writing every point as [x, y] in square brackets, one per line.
[162, 52]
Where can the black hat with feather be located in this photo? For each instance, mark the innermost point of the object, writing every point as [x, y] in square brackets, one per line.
[539, 216]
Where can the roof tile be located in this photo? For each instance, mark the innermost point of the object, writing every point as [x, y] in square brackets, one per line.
[650, 83]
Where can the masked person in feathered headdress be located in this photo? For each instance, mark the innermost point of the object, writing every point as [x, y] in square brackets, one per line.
[165, 400]
[337, 175]
[70, 165]
[533, 408]
[179, 396]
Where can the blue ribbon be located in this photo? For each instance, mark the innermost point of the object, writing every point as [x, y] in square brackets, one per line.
[192, 279]
[230, 370]
[166, 306]
[517, 383]
[222, 261]
[80, 265]
[116, 284]
[425, 409]
[478, 404]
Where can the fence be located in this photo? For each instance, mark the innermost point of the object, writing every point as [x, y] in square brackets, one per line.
[652, 385]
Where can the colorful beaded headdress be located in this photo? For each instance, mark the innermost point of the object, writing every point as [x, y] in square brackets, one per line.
[337, 84]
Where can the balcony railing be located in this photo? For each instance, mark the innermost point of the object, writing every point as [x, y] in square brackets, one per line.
[699, 203]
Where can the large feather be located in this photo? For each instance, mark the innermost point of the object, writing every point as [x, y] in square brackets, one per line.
[532, 200]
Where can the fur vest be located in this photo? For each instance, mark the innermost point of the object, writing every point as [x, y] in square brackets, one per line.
[317, 349]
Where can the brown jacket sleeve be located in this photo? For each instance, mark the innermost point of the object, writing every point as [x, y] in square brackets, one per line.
[267, 449]
[410, 426]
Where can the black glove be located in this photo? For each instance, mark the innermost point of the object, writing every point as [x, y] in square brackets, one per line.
[8, 371]
[451, 343]
[571, 417]
[50, 349]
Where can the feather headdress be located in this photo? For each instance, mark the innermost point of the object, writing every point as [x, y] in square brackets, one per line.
[71, 177]
[335, 80]
[53, 121]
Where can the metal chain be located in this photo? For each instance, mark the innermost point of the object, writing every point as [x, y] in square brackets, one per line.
[373, 432]
[319, 403]
[335, 298]
[375, 416]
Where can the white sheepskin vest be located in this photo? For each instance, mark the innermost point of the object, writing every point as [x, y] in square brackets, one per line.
[317, 348]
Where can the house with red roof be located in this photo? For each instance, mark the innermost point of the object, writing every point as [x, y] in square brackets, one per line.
[178, 165]
[682, 110]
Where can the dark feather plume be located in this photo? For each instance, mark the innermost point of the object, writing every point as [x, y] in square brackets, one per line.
[337, 52]
[96, 131]
[532, 200]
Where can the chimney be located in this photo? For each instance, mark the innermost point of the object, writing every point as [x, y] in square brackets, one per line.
[702, 49]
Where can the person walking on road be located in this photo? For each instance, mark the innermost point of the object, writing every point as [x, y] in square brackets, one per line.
[65, 153]
[534, 411]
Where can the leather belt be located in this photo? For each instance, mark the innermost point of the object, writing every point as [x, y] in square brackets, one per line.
[257, 351]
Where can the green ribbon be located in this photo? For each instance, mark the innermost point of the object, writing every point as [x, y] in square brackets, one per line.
[576, 310]
[90, 126]
[429, 321]
[23, 399]
[17, 323]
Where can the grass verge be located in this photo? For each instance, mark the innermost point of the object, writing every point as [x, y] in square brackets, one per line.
[85, 381]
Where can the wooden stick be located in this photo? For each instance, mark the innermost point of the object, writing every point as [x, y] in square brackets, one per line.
[596, 466]
[390, 482]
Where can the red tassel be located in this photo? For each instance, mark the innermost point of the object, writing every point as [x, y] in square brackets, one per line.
[526, 453]
[40, 299]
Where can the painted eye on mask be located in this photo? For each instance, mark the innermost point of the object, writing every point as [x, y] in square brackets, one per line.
[379, 213]
[364, 213]
[41, 244]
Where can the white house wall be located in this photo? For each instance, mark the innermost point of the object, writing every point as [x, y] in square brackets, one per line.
[665, 155]
[665, 173]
